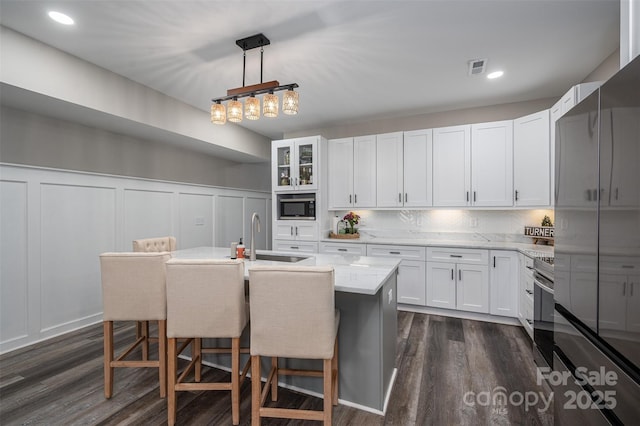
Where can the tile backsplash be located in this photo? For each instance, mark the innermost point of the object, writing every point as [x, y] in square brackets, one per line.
[510, 222]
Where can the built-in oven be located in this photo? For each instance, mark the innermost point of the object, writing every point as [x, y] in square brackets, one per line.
[543, 311]
[297, 206]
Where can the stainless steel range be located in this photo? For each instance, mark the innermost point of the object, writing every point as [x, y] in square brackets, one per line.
[543, 311]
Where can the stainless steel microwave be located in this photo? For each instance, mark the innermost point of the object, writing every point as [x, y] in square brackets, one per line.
[297, 206]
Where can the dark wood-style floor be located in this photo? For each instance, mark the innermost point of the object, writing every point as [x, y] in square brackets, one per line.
[439, 360]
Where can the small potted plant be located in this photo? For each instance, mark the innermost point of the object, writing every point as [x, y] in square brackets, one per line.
[352, 219]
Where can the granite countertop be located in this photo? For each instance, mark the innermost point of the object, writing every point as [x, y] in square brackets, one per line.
[354, 274]
[454, 240]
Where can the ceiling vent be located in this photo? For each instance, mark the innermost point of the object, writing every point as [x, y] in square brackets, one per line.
[477, 66]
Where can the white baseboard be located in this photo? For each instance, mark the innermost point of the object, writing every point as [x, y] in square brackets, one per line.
[459, 314]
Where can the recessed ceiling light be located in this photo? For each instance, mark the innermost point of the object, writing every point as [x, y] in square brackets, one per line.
[495, 74]
[61, 18]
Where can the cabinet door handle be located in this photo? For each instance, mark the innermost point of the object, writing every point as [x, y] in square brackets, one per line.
[529, 322]
[452, 275]
[399, 197]
[467, 196]
[394, 252]
[624, 288]
[459, 274]
[355, 199]
[349, 198]
[406, 197]
[296, 231]
[529, 292]
[516, 195]
[474, 196]
[291, 228]
[455, 255]
[494, 261]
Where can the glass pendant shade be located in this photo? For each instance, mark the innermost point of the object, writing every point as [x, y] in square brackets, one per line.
[252, 108]
[218, 114]
[290, 102]
[234, 111]
[270, 105]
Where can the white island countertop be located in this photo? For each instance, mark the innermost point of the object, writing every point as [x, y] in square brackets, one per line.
[354, 274]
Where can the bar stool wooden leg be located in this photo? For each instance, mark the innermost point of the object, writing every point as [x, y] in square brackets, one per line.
[162, 356]
[256, 390]
[235, 380]
[144, 330]
[274, 381]
[335, 375]
[328, 385]
[108, 358]
[197, 355]
[172, 373]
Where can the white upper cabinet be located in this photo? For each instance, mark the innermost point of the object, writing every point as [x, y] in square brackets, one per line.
[352, 172]
[492, 164]
[389, 170]
[340, 173]
[452, 166]
[404, 169]
[473, 165]
[418, 148]
[295, 164]
[531, 156]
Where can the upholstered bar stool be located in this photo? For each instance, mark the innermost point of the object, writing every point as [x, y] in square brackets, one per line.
[205, 299]
[293, 316]
[151, 245]
[133, 289]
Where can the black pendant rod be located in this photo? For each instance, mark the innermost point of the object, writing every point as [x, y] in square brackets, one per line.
[261, 59]
[244, 65]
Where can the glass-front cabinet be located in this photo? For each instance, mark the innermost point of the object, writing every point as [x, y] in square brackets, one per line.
[295, 164]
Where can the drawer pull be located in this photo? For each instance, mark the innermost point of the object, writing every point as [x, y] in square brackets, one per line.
[294, 247]
[394, 252]
[530, 322]
[529, 292]
[455, 255]
[342, 249]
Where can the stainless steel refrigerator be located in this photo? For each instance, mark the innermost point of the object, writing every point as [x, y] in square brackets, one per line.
[596, 378]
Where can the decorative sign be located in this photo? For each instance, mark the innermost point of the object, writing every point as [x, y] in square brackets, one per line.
[542, 232]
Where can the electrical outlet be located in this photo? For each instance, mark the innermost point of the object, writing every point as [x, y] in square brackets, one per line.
[473, 222]
[200, 221]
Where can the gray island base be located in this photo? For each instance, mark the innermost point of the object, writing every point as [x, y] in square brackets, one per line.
[366, 298]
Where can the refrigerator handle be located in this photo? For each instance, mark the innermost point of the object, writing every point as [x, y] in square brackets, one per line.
[624, 288]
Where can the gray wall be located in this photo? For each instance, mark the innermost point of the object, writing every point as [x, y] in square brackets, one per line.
[606, 69]
[32, 139]
[431, 120]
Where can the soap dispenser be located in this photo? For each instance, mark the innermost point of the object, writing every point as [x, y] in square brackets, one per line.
[240, 250]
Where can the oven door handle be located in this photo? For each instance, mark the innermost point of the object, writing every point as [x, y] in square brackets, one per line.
[543, 282]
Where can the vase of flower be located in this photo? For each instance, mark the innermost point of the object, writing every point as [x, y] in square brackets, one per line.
[352, 219]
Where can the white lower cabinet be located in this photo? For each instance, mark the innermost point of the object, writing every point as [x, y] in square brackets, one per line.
[295, 246]
[525, 294]
[503, 283]
[343, 248]
[411, 272]
[299, 230]
[461, 282]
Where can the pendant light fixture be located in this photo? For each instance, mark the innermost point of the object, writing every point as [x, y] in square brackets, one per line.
[270, 101]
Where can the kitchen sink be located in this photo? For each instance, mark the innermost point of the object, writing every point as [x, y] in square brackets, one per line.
[280, 257]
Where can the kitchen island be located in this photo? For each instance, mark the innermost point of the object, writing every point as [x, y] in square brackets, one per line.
[366, 297]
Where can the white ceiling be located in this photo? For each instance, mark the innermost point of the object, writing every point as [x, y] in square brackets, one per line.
[354, 60]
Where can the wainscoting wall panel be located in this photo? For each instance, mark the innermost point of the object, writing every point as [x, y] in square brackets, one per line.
[196, 220]
[13, 261]
[147, 214]
[76, 223]
[229, 223]
[55, 223]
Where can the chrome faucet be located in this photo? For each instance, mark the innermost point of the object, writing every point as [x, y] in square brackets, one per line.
[254, 218]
